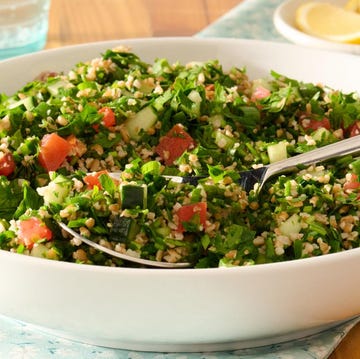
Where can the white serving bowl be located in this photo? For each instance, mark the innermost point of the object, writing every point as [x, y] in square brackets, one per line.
[186, 309]
[284, 21]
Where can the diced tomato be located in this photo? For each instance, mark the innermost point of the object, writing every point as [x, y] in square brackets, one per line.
[174, 144]
[354, 129]
[7, 164]
[53, 151]
[352, 183]
[108, 119]
[109, 116]
[259, 93]
[192, 213]
[32, 230]
[92, 180]
[314, 124]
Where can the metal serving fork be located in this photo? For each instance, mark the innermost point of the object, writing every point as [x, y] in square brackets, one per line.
[248, 179]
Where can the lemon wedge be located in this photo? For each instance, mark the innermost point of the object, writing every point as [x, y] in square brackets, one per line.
[329, 22]
[353, 5]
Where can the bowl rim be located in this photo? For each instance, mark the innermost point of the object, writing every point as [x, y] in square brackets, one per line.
[51, 54]
[273, 267]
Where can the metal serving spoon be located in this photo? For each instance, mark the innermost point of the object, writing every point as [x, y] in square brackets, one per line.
[247, 180]
[125, 257]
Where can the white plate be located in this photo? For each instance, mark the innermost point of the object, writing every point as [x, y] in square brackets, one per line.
[188, 309]
[284, 21]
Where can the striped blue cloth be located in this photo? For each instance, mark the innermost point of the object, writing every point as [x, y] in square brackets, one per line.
[252, 19]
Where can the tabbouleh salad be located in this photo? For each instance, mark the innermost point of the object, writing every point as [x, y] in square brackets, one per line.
[62, 134]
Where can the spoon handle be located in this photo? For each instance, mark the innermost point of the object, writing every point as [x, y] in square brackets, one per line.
[341, 148]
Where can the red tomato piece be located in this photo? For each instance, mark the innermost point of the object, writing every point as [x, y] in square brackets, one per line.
[53, 151]
[174, 144]
[92, 180]
[259, 93]
[194, 212]
[108, 119]
[109, 116]
[32, 230]
[313, 124]
[352, 183]
[7, 164]
[354, 129]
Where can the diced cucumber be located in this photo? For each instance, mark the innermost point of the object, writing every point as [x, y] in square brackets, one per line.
[133, 196]
[160, 229]
[123, 229]
[223, 141]
[56, 191]
[39, 250]
[27, 102]
[88, 85]
[195, 97]
[142, 120]
[217, 121]
[29, 146]
[291, 226]
[54, 86]
[321, 134]
[277, 151]
[163, 231]
[151, 167]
